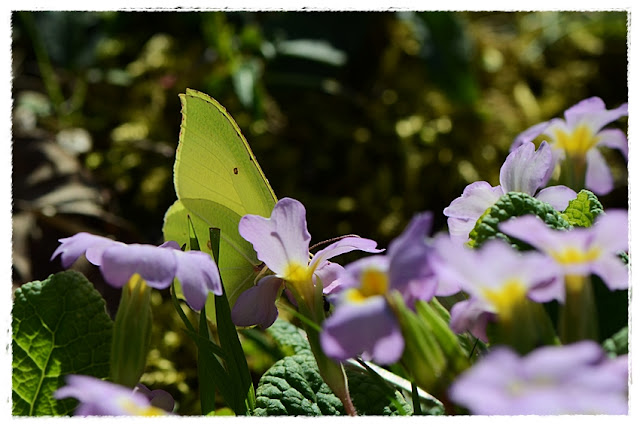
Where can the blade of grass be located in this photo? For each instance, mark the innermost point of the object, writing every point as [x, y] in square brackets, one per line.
[176, 305]
[236, 361]
[207, 384]
[415, 399]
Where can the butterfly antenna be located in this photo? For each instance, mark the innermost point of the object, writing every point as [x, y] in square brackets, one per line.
[329, 241]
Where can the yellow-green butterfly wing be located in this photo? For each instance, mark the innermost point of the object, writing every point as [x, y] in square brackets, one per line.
[217, 180]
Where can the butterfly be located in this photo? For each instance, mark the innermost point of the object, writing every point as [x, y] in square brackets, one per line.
[217, 181]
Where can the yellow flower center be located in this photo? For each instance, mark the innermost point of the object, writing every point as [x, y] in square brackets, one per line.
[372, 283]
[573, 255]
[296, 273]
[576, 143]
[507, 297]
[144, 411]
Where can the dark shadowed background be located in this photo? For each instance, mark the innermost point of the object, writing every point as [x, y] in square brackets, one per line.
[367, 118]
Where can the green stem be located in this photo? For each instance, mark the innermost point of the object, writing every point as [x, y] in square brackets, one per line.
[578, 316]
[331, 371]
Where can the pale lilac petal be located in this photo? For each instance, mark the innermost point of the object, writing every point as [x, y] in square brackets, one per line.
[158, 398]
[466, 209]
[529, 135]
[445, 288]
[494, 264]
[558, 196]
[162, 399]
[608, 375]
[561, 362]
[611, 231]
[593, 113]
[589, 107]
[557, 126]
[330, 275]
[170, 244]
[613, 272]
[422, 290]
[483, 382]
[614, 138]
[365, 327]
[525, 169]
[470, 316]
[157, 266]
[447, 281]
[598, 177]
[387, 349]
[570, 379]
[413, 235]
[600, 120]
[281, 239]
[459, 229]
[530, 229]
[475, 200]
[445, 260]
[73, 247]
[198, 274]
[548, 291]
[98, 397]
[343, 246]
[257, 305]
[408, 253]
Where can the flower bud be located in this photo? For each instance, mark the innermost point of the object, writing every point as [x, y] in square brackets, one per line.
[433, 354]
[131, 333]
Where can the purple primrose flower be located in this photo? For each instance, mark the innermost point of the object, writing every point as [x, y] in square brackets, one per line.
[578, 137]
[282, 243]
[496, 277]
[571, 379]
[363, 322]
[157, 265]
[98, 397]
[525, 170]
[580, 251]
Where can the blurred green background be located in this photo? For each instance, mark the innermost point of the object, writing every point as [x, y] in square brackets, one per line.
[367, 118]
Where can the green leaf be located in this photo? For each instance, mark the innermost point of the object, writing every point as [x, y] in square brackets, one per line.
[60, 327]
[372, 396]
[583, 210]
[288, 337]
[508, 206]
[618, 344]
[293, 386]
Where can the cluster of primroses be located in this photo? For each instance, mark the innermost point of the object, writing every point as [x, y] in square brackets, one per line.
[528, 367]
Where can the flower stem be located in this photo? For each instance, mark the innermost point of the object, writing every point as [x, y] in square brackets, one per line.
[331, 371]
[578, 316]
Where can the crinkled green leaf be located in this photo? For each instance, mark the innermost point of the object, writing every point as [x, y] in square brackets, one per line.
[373, 397]
[618, 344]
[293, 386]
[60, 327]
[369, 396]
[583, 210]
[288, 337]
[511, 205]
